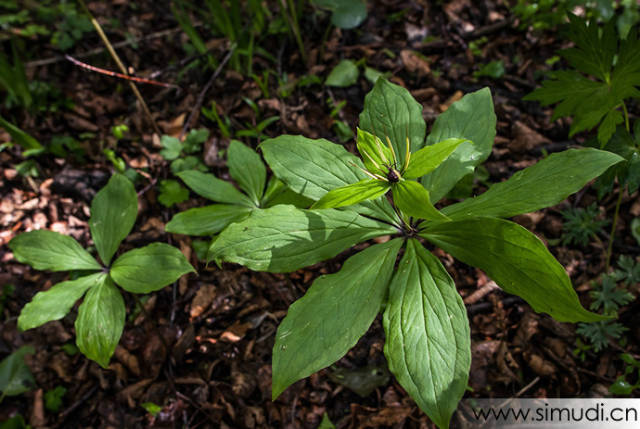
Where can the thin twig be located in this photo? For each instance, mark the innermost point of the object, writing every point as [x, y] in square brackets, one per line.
[200, 99]
[121, 66]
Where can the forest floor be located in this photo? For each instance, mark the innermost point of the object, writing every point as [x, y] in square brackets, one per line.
[219, 326]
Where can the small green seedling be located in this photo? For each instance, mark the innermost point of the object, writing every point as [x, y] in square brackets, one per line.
[425, 321]
[581, 225]
[232, 205]
[181, 153]
[101, 316]
[622, 385]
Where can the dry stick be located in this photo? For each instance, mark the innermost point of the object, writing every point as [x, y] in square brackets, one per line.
[121, 66]
[200, 99]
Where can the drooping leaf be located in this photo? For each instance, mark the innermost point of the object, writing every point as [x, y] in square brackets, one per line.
[208, 220]
[367, 189]
[15, 375]
[210, 187]
[55, 303]
[48, 250]
[314, 167]
[100, 322]
[335, 312]
[430, 157]
[471, 118]
[149, 268]
[246, 168]
[428, 345]
[113, 213]
[391, 111]
[411, 197]
[375, 154]
[544, 184]
[17, 135]
[284, 238]
[343, 75]
[516, 260]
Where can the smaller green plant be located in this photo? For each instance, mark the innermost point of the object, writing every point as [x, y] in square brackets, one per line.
[622, 385]
[180, 153]
[101, 316]
[231, 204]
[581, 225]
[15, 375]
[605, 73]
[493, 69]
[609, 297]
[345, 14]
[53, 398]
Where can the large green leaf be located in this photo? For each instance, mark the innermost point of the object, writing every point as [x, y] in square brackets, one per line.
[544, 184]
[15, 375]
[210, 187]
[390, 111]
[55, 303]
[428, 345]
[430, 157]
[413, 200]
[284, 238]
[516, 260]
[149, 268]
[246, 168]
[314, 167]
[367, 189]
[48, 250]
[113, 213]
[100, 322]
[470, 118]
[334, 313]
[208, 220]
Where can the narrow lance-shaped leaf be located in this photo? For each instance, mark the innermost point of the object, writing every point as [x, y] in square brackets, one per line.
[413, 200]
[471, 118]
[314, 167]
[48, 250]
[367, 189]
[375, 154]
[208, 220]
[391, 111]
[284, 238]
[113, 213]
[544, 184]
[100, 322]
[210, 187]
[428, 342]
[55, 303]
[429, 158]
[246, 168]
[335, 312]
[516, 260]
[149, 268]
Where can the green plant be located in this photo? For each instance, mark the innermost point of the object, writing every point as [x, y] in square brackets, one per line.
[15, 375]
[427, 332]
[581, 225]
[181, 153]
[605, 73]
[622, 386]
[232, 205]
[53, 398]
[610, 298]
[345, 14]
[101, 316]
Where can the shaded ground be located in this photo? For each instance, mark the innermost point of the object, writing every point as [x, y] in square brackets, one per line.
[219, 326]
